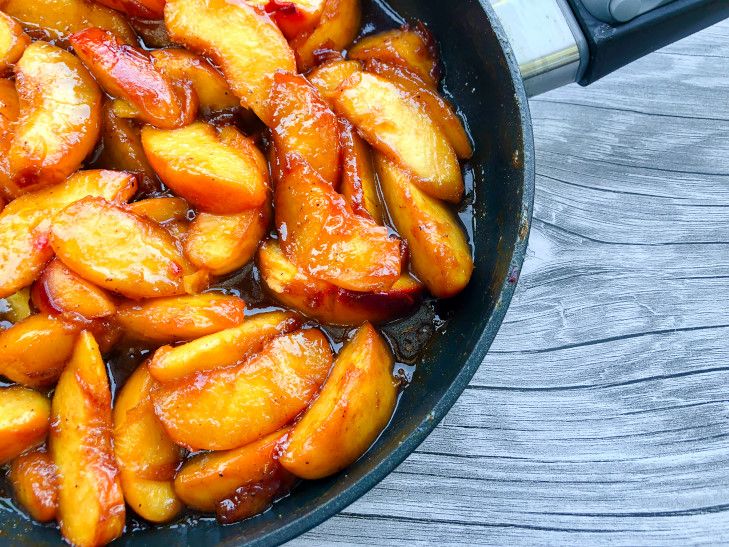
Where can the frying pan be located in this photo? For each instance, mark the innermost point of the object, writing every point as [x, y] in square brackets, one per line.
[484, 78]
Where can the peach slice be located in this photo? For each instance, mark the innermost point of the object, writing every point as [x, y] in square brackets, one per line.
[303, 124]
[90, 500]
[118, 250]
[206, 168]
[359, 184]
[162, 210]
[128, 73]
[354, 406]
[328, 303]
[13, 42]
[33, 478]
[167, 320]
[412, 48]
[144, 9]
[60, 116]
[293, 17]
[24, 416]
[229, 407]
[397, 125]
[244, 42]
[328, 77]
[145, 454]
[222, 349]
[58, 291]
[436, 106]
[323, 237]
[337, 28]
[9, 111]
[439, 251]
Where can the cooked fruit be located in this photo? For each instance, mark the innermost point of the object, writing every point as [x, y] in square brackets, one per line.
[328, 77]
[178, 318]
[25, 222]
[439, 251]
[56, 20]
[152, 32]
[397, 125]
[13, 42]
[34, 351]
[337, 28]
[145, 9]
[207, 169]
[410, 48]
[90, 500]
[230, 407]
[59, 290]
[251, 499]
[303, 124]
[146, 456]
[359, 185]
[206, 480]
[24, 415]
[161, 210]
[328, 303]
[119, 250]
[292, 17]
[213, 92]
[245, 43]
[127, 72]
[33, 478]
[60, 116]
[321, 235]
[437, 108]
[9, 111]
[222, 349]
[354, 406]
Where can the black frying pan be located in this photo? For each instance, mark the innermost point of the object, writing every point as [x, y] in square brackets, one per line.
[483, 77]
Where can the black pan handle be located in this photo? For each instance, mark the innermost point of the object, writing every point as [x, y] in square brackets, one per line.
[612, 46]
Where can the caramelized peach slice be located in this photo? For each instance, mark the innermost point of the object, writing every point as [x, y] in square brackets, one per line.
[292, 17]
[397, 125]
[359, 185]
[118, 250]
[210, 172]
[90, 500]
[13, 42]
[34, 351]
[328, 77]
[411, 48]
[33, 478]
[60, 116]
[338, 26]
[436, 106]
[145, 9]
[222, 349]
[439, 251]
[162, 210]
[352, 409]
[145, 454]
[251, 499]
[245, 43]
[230, 407]
[59, 290]
[212, 90]
[23, 421]
[205, 480]
[128, 73]
[303, 124]
[177, 318]
[56, 20]
[328, 303]
[322, 236]
[9, 111]
[25, 223]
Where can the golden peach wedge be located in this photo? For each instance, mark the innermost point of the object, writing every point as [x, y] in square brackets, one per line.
[209, 172]
[354, 406]
[90, 500]
[396, 124]
[60, 116]
[241, 40]
[294, 18]
[439, 251]
[222, 349]
[13, 42]
[323, 237]
[127, 72]
[171, 213]
[227, 408]
[359, 184]
[9, 111]
[147, 458]
[328, 303]
[143, 9]
[24, 416]
[327, 77]
[118, 250]
[33, 478]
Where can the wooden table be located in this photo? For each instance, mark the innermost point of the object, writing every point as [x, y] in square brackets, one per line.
[601, 414]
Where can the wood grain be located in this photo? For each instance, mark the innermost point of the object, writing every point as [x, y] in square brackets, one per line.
[601, 415]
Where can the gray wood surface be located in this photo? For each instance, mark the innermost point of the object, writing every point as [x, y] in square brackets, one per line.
[601, 413]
